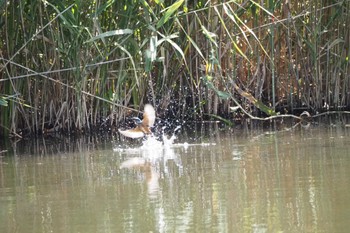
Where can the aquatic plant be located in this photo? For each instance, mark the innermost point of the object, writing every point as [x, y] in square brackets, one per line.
[82, 65]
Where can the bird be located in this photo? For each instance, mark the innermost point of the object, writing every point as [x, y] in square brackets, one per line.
[143, 126]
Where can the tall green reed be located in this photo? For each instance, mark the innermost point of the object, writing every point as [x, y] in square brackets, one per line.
[74, 67]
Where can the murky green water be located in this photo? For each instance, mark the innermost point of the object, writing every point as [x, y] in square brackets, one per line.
[247, 180]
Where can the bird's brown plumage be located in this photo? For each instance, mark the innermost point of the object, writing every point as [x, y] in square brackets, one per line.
[143, 128]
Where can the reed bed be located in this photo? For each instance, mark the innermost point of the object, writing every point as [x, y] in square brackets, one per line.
[77, 66]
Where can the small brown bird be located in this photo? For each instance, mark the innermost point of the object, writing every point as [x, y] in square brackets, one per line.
[143, 127]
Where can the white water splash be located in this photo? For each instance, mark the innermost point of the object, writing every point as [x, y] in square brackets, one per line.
[150, 154]
[153, 148]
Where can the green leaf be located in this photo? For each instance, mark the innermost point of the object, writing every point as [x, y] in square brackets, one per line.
[172, 36]
[227, 122]
[148, 60]
[111, 33]
[176, 47]
[231, 14]
[190, 39]
[210, 35]
[223, 95]
[255, 102]
[335, 42]
[170, 41]
[3, 102]
[104, 7]
[264, 108]
[153, 47]
[171, 10]
[229, 35]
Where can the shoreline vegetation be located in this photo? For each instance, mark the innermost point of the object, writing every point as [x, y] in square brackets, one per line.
[77, 66]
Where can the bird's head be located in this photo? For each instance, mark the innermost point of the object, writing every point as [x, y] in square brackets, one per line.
[136, 120]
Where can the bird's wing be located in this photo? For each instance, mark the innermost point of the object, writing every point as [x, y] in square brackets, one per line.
[149, 116]
[132, 133]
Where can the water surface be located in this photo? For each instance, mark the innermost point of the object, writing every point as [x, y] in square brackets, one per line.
[208, 179]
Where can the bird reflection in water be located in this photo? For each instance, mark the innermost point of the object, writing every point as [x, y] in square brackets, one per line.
[148, 160]
[151, 175]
